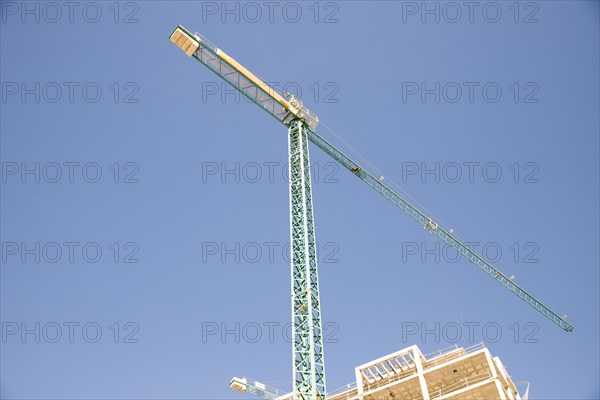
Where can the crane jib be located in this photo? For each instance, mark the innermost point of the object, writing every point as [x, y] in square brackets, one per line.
[444, 235]
[286, 112]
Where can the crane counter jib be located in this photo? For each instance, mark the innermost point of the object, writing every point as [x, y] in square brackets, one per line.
[194, 45]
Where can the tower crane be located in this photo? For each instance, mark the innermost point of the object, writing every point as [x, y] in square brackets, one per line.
[307, 333]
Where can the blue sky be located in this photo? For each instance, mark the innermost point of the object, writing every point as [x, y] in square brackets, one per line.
[145, 209]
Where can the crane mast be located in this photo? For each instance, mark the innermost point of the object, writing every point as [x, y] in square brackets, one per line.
[307, 338]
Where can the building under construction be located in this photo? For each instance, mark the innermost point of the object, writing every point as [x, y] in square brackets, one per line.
[453, 373]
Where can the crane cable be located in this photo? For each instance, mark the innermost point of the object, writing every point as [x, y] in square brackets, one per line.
[390, 182]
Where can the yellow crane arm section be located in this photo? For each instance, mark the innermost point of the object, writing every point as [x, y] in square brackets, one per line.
[189, 44]
[254, 79]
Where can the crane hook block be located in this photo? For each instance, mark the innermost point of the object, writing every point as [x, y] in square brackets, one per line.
[185, 42]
